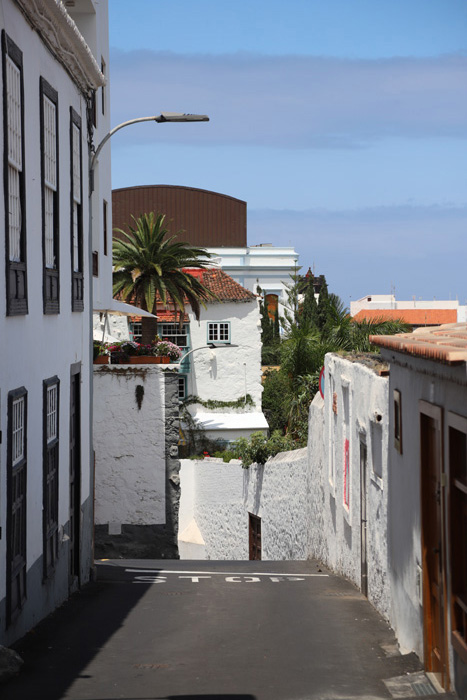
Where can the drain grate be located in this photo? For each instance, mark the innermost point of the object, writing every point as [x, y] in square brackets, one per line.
[410, 685]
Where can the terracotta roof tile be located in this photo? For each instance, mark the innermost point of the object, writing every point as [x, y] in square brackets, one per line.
[447, 343]
[219, 282]
[415, 317]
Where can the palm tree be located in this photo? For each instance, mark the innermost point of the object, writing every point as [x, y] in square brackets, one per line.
[149, 269]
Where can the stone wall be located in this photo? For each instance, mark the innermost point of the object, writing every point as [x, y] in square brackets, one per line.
[217, 498]
[347, 455]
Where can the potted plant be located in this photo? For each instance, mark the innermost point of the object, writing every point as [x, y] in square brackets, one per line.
[118, 354]
[142, 354]
[169, 352]
[99, 353]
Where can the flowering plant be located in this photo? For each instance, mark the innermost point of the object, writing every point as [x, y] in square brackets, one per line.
[131, 348]
[98, 348]
[164, 348]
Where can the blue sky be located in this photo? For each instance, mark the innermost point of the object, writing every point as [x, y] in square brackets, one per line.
[342, 123]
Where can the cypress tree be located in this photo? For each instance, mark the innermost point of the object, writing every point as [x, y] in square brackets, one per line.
[323, 307]
[310, 307]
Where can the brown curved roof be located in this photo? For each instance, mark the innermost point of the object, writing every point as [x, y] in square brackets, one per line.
[207, 219]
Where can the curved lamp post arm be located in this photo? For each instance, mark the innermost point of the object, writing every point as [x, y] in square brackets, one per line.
[164, 117]
[211, 346]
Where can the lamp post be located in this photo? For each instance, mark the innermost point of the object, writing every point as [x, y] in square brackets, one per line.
[163, 118]
[210, 346]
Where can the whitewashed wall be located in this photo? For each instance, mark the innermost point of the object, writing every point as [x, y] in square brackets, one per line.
[35, 347]
[334, 528]
[443, 386]
[227, 374]
[129, 444]
[218, 497]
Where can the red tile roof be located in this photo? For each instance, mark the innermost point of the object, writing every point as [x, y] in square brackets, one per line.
[217, 281]
[447, 343]
[415, 317]
[222, 285]
[170, 316]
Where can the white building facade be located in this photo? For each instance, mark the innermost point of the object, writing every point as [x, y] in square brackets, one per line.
[427, 496]
[264, 266]
[223, 363]
[347, 455]
[52, 84]
[388, 302]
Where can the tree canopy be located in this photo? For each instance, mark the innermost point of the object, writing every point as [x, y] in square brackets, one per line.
[149, 267]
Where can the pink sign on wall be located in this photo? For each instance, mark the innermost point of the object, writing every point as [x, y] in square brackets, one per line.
[346, 473]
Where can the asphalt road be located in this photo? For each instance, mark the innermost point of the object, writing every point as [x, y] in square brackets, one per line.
[178, 630]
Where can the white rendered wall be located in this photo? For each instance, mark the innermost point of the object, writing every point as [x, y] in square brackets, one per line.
[267, 266]
[36, 347]
[227, 374]
[116, 327]
[95, 30]
[442, 386]
[334, 528]
[129, 445]
[221, 495]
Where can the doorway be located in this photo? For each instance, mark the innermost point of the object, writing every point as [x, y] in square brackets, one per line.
[75, 478]
[363, 520]
[254, 537]
[433, 542]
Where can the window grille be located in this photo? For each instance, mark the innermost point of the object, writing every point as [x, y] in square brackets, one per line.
[49, 227]
[50, 474]
[15, 155]
[15, 136]
[18, 431]
[76, 196]
[76, 205]
[14, 185]
[50, 144]
[181, 387]
[14, 213]
[52, 412]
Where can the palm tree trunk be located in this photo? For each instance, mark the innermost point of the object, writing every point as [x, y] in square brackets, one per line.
[148, 329]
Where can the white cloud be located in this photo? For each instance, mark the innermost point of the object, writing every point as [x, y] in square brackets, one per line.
[292, 101]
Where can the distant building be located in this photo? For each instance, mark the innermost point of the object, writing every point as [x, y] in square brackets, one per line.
[416, 313]
[217, 222]
[213, 371]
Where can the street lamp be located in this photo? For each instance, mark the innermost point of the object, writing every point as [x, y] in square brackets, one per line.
[209, 346]
[164, 117]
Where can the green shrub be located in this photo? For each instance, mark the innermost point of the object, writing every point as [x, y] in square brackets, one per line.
[259, 447]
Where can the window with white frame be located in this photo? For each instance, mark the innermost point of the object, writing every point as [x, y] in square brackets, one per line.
[219, 332]
[76, 212]
[50, 233]
[173, 333]
[14, 190]
[136, 331]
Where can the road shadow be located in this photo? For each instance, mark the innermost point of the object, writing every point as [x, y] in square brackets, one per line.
[61, 646]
